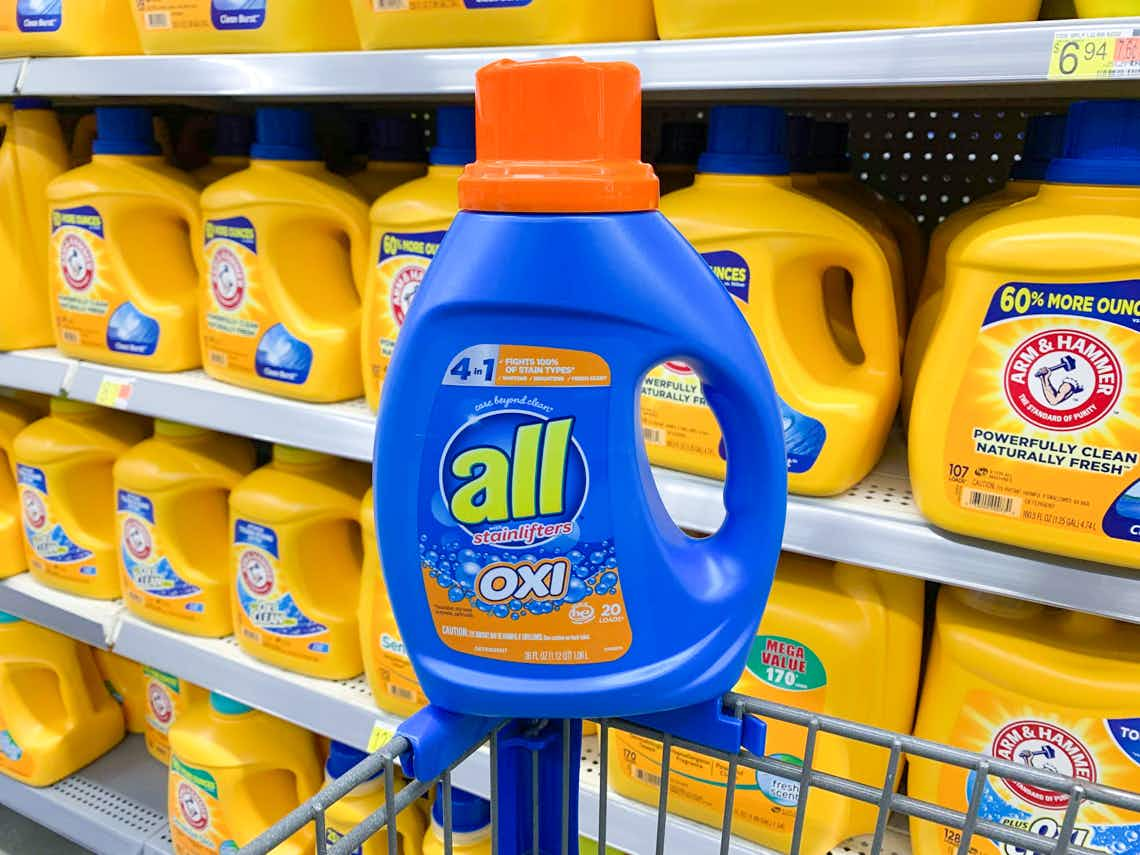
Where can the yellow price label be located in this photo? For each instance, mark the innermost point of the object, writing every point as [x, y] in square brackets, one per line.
[115, 392]
[1091, 54]
[381, 735]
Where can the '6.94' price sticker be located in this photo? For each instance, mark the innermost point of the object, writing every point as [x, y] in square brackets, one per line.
[1091, 53]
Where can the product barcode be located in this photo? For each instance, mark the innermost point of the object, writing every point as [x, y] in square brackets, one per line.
[401, 692]
[158, 20]
[389, 5]
[646, 777]
[654, 436]
[993, 502]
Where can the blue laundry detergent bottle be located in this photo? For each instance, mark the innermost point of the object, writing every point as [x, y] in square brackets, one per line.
[532, 567]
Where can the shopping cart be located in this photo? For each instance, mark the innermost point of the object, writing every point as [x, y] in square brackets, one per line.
[543, 757]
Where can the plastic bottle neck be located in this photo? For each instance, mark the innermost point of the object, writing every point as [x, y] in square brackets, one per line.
[733, 180]
[1109, 194]
[141, 159]
[442, 170]
[302, 167]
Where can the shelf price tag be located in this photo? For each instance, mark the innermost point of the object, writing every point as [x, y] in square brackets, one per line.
[381, 735]
[1095, 53]
[115, 392]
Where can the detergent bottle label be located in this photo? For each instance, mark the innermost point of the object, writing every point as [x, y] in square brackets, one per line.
[404, 259]
[197, 15]
[197, 824]
[434, 5]
[675, 417]
[241, 333]
[149, 577]
[165, 699]
[13, 759]
[394, 667]
[779, 669]
[516, 527]
[1049, 399]
[51, 550]
[1053, 739]
[268, 614]
[89, 309]
[36, 16]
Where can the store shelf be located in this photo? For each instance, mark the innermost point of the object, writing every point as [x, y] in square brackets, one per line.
[42, 370]
[115, 806]
[342, 710]
[870, 61]
[91, 621]
[875, 524]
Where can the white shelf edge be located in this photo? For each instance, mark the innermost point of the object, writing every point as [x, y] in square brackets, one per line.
[875, 59]
[91, 621]
[111, 807]
[840, 529]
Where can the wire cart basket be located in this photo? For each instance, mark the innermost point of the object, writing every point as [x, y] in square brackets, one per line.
[534, 782]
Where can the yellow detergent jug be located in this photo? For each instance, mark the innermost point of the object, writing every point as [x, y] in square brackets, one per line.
[127, 684]
[32, 153]
[172, 507]
[771, 246]
[123, 279]
[408, 224]
[470, 825]
[386, 664]
[85, 130]
[63, 469]
[285, 248]
[1044, 137]
[242, 26]
[297, 560]
[835, 639]
[1023, 425]
[837, 283]
[168, 698]
[233, 135]
[234, 772]
[14, 417]
[1035, 686]
[56, 716]
[363, 801]
[472, 23]
[396, 155]
[1107, 8]
[681, 19]
[833, 166]
[66, 28]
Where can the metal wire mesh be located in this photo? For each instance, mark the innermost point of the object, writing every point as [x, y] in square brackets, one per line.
[885, 798]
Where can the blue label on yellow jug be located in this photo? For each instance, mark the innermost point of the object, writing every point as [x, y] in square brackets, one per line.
[267, 605]
[237, 14]
[282, 356]
[146, 567]
[46, 536]
[130, 331]
[732, 270]
[39, 16]
[516, 543]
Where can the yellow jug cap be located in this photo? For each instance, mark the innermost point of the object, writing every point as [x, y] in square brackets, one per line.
[289, 454]
[164, 427]
[69, 406]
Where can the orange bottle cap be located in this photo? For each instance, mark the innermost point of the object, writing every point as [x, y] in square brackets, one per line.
[558, 136]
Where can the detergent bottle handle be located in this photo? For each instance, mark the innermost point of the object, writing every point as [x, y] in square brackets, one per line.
[187, 206]
[7, 116]
[744, 402]
[873, 307]
[355, 225]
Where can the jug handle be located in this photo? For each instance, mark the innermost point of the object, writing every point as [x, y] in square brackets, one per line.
[7, 114]
[756, 477]
[356, 226]
[190, 212]
[873, 307]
